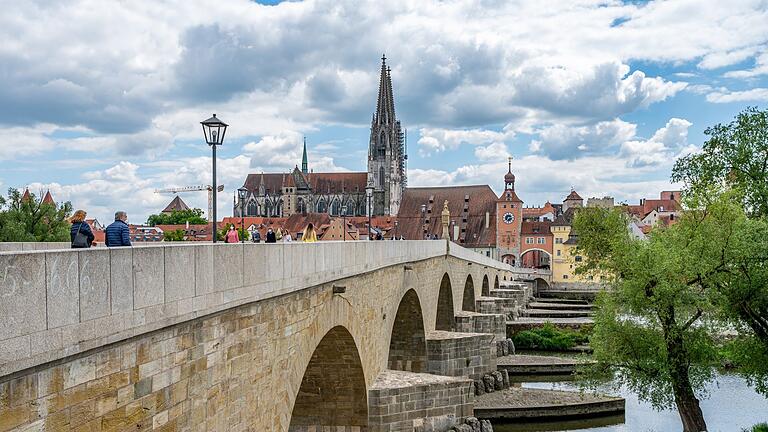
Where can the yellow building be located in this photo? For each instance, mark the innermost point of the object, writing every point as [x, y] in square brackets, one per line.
[564, 257]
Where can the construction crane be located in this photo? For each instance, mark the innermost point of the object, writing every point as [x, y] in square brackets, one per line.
[208, 188]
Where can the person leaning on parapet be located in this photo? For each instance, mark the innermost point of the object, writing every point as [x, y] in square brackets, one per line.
[256, 236]
[118, 233]
[80, 233]
[287, 238]
[232, 235]
[271, 236]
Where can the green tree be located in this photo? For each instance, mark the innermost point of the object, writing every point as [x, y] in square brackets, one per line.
[736, 155]
[651, 326]
[174, 235]
[178, 217]
[32, 220]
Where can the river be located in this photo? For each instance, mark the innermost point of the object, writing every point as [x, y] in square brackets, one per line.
[731, 406]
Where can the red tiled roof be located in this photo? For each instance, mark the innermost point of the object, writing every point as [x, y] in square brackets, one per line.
[536, 228]
[48, 199]
[573, 196]
[176, 204]
[481, 200]
[539, 211]
[273, 182]
[337, 182]
[651, 205]
[26, 196]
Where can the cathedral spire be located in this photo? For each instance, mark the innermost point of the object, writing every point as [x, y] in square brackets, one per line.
[304, 168]
[385, 108]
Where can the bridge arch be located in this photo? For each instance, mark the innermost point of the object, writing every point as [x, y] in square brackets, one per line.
[333, 390]
[445, 319]
[540, 283]
[468, 300]
[486, 290]
[536, 258]
[408, 343]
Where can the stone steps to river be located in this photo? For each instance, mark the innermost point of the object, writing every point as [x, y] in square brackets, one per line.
[529, 404]
[522, 364]
[561, 300]
[560, 306]
[549, 313]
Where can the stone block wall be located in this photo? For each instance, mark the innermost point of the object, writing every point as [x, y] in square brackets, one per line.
[496, 305]
[405, 401]
[473, 322]
[460, 354]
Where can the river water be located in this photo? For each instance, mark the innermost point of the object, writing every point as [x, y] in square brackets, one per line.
[731, 406]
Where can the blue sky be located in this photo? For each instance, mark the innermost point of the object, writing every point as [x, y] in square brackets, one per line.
[601, 96]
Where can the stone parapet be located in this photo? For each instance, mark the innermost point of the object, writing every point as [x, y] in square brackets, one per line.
[400, 401]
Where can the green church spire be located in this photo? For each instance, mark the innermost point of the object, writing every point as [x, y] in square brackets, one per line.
[304, 167]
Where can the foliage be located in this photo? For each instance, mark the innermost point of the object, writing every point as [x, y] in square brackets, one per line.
[652, 328]
[549, 337]
[760, 427]
[174, 235]
[178, 217]
[31, 220]
[736, 155]
[242, 233]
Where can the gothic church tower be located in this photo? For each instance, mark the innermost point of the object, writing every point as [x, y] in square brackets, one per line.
[386, 151]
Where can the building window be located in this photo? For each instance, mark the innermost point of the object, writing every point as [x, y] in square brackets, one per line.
[540, 240]
[558, 252]
[487, 253]
[529, 240]
[558, 240]
[578, 258]
[565, 276]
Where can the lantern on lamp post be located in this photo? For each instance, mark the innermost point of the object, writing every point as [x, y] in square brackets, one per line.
[214, 130]
[241, 193]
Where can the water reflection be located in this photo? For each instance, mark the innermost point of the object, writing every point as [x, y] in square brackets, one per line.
[732, 405]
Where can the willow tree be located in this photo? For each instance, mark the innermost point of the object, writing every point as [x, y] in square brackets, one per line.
[658, 327]
[735, 155]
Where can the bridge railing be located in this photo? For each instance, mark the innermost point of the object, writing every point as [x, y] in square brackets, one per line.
[57, 303]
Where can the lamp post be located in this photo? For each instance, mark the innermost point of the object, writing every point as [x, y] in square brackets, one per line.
[344, 222]
[423, 222]
[241, 193]
[369, 197]
[214, 130]
[395, 230]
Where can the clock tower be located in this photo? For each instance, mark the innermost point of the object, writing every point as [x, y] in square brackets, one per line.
[509, 218]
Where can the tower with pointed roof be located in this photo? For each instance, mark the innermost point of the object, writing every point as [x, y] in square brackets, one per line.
[509, 218]
[304, 164]
[386, 150]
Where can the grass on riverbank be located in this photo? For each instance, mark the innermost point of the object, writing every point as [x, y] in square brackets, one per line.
[549, 337]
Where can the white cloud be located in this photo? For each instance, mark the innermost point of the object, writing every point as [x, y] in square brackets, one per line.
[435, 140]
[665, 145]
[761, 68]
[494, 151]
[726, 96]
[561, 141]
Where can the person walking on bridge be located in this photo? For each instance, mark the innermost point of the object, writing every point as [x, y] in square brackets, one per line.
[271, 236]
[232, 235]
[118, 233]
[80, 233]
[309, 235]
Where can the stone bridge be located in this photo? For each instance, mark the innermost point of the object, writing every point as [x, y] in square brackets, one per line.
[363, 336]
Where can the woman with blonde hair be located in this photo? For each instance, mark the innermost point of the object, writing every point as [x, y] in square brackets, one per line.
[309, 235]
[80, 233]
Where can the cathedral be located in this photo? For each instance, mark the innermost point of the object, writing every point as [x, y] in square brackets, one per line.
[378, 191]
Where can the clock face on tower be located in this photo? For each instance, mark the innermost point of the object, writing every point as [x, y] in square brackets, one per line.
[508, 218]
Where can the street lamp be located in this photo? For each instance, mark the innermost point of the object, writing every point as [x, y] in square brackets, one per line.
[423, 221]
[344, 222]
[395, 230]
[214, 130]
[241, 193]
[369, 196]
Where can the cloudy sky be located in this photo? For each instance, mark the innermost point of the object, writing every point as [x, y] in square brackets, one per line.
[101, 100]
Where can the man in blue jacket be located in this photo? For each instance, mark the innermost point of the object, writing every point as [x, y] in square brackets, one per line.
[118, 233]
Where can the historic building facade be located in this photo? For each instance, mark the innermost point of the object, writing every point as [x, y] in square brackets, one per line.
[339, 193]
